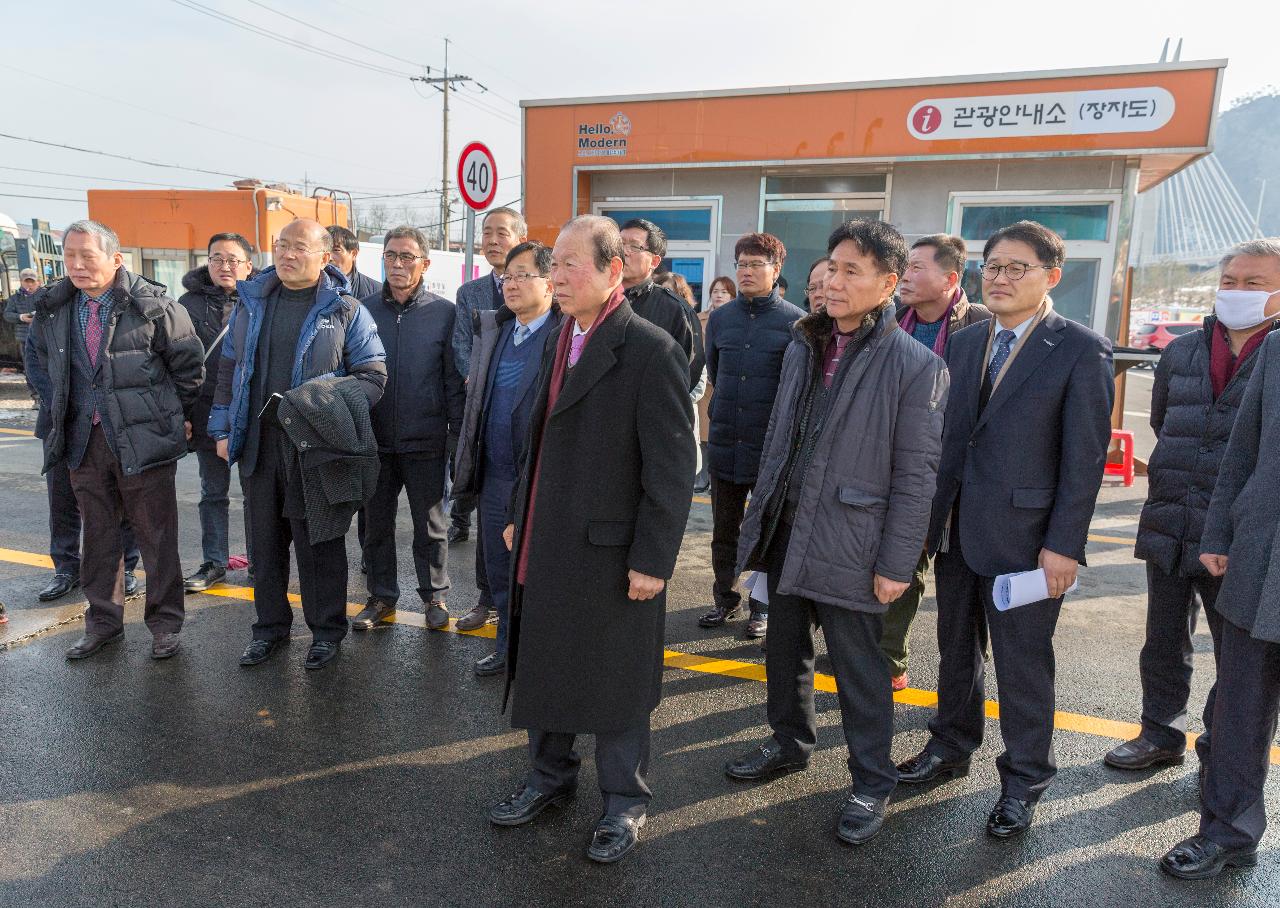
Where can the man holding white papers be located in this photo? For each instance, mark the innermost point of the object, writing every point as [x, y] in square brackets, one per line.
[1023, 450]
[839, 514]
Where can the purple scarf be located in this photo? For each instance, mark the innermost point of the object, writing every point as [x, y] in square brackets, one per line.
[908, 323]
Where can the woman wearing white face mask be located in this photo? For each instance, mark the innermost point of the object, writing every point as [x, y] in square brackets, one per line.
[1199, 384]
[1238, 379]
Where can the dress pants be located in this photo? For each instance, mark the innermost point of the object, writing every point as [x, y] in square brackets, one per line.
[622, 760]
[1022, 645]
[215, 484]
[422, 478]
[862, 679]
[1233, 807]
[898, 618]
[494, 506]
[1165, 662]
[150, 501]
[728, 507]
[322, 568]
[64, 525]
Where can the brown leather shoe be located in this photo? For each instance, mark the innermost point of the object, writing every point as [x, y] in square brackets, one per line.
[90, 643]
[437, 615]
[477, 618]
[165, 645]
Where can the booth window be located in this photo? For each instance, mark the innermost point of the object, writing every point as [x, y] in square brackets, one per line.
[692, 229]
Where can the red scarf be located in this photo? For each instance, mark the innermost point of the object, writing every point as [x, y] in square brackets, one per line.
[1223, 364]
[908, 323]
[558, 372]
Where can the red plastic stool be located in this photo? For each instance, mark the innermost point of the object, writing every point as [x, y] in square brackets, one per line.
[1124, 468]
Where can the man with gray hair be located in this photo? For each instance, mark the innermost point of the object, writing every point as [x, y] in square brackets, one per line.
[417, 422]
[19, 310]
[120, 366]
[1237, 549]
[1199, 384]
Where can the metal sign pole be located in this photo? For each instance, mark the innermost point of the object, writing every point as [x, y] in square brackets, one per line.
[469, 245]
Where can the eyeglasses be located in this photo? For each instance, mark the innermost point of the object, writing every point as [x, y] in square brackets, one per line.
[288, 248]
[523, 277]
[753, 266]
[1015, 271]
[634, 248]
[226, 261]
[403, 258]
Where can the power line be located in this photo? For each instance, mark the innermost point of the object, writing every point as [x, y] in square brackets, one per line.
[43, 198]
[120, 157]
[289, 42]
[85, 176]
[342, 38]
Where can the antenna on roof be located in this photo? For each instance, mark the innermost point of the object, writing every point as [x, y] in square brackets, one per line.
[1164, 54]
[1177, 54]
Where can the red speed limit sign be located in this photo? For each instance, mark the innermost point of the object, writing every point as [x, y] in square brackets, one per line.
[477, 176]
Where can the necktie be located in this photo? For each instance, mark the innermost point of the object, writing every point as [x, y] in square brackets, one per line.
[522, 332]
[575, 348]
[1004, 342]
[842, 341]
[93, 341]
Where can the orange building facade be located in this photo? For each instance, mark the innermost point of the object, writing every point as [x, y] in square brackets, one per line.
[963, 155]
[165, 233]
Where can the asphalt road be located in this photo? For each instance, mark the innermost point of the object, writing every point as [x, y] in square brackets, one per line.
[194, 782]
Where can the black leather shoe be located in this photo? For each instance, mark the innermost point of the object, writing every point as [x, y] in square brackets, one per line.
[758, 626]
[719, 615]
[614, 838]
[320, 654]
[492, 664]
[524, 805]
[165, 645]
[861, 818]
[59, 586]
[1199, 858]
[375, 612]
[458, 534]
[259, 651]
[925, 767]
[1010, 816]
[90, 643]
[203, 577]
[1141, 754]
[132, 588]
[764, 762]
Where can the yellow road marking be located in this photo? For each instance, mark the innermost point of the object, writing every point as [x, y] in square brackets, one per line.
[22, 432]
[729, 668]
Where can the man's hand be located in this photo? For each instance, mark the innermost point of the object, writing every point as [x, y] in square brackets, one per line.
[509, 535]
[1059, 572]
[27, 318]
[1216, 564]
[643, 586]
[224, 448]
[888, 590]
[186, 427]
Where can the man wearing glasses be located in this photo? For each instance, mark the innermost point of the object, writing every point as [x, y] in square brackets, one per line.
[746, 339]
[210, 297]
[643, 246]
[505, 362]
[417, 424]
[296, 322]
[1024, 443]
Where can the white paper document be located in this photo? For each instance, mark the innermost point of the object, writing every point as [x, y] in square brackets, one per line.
[757, 587]
[1013, 590]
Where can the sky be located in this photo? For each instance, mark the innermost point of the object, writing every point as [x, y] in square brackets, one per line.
[318, 90]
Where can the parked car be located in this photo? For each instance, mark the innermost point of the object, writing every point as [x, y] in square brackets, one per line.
[1154, 337]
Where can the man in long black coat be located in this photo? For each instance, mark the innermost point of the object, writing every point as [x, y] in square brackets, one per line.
[599, 514]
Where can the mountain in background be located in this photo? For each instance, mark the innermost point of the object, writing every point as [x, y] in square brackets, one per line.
[1248, 147]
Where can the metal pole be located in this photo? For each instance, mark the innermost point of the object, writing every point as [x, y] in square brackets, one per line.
[444, 158]
[468, 245]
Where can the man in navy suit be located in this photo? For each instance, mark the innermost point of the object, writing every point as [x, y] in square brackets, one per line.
[1024, 444]
[500, 390]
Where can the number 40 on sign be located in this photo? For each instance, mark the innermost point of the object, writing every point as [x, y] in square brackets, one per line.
[477, 176]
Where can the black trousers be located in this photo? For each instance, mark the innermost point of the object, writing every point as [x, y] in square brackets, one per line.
[1022, 646]
[862, 679]
[65, 525]
[422, 478]
[150, 500]
[1234, 811]
[728, 507]
[322, 568]
[1166, 660]
[622, 760]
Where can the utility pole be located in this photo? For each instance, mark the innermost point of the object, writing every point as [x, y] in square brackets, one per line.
[442, 83]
